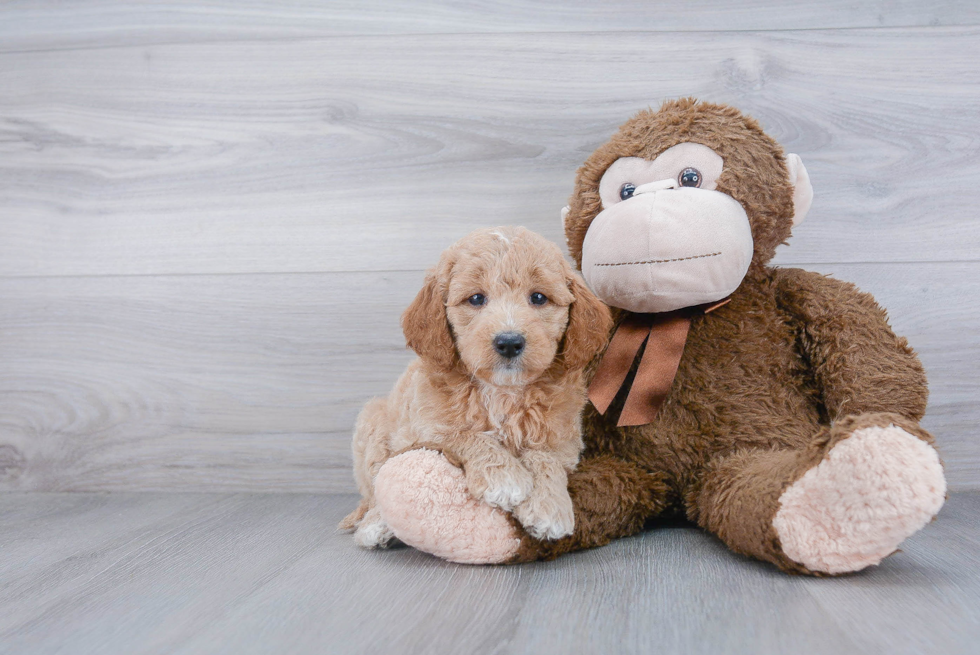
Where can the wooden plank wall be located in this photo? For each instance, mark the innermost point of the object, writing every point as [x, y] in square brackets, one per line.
[212, 213]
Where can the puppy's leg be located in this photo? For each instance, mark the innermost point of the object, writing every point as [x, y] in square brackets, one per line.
[547, 512]
[372, 436]
[492, 473]
[351, 520]
[371, 448]
[372, 531]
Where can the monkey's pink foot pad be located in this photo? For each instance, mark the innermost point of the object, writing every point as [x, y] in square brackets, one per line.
[424, 500]
[871, 491]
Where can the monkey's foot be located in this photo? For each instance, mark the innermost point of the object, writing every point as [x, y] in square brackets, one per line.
[424, 501]
[871, 491]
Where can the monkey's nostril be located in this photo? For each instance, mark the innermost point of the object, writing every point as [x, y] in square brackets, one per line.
[509, 344]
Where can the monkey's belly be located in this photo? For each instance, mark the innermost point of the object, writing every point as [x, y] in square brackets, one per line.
[723, 399]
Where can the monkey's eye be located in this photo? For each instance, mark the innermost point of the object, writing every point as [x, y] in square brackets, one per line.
[477, 300]
[689, 177]
[626, 191]
[538, 298]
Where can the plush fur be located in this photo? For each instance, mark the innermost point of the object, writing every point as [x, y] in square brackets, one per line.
[769, 383]
[877, 482]
[482, 534]
[512, 422]
[770, 389]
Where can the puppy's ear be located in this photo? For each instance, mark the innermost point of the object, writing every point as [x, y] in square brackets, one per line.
[426, 326]
[589, 324]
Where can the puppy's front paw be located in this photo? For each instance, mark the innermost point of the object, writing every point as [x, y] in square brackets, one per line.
[503, 486]
[547, 515]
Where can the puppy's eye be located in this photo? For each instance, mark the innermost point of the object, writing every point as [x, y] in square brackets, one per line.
[538, 298]
[477, 299]
[626, 191]
[689, 177]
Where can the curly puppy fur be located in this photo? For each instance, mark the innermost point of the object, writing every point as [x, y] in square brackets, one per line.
[513, 423]
[768, 384]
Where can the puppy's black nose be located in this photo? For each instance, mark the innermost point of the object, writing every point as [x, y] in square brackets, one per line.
[509, 344]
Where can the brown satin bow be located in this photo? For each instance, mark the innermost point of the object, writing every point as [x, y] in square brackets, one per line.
[665, 335]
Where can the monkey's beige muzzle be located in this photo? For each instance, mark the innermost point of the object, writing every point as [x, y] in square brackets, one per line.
[667, 248]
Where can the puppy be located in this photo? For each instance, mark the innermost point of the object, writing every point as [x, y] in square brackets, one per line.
[504, 329]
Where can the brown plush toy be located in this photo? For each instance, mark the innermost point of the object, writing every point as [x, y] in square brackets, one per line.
[784, 420]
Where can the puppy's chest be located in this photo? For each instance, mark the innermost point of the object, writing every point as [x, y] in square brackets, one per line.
[505, 414]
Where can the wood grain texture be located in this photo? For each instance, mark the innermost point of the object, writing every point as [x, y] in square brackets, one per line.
[375, 152]
[253, 382]
[212, 213]
[193, 382]
[203, 573]
[49, 24]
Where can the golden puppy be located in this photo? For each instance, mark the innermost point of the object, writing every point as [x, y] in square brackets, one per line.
[503, 328]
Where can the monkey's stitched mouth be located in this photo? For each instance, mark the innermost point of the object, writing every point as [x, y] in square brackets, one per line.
[662, 261]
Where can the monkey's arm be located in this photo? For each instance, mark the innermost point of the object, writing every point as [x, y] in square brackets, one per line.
[859, 364]
[611, 498]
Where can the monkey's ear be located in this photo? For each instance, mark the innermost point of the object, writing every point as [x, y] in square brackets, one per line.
[589, 324]
[426, 326]
[802, 191]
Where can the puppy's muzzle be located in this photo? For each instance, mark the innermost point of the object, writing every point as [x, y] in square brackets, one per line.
[509, 344]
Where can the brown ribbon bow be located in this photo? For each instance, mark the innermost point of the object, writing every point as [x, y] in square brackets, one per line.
[665, 335]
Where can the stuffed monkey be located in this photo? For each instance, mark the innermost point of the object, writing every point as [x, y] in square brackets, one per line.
[773, 407]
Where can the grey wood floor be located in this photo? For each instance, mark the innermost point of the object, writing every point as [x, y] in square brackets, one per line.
[266, 573]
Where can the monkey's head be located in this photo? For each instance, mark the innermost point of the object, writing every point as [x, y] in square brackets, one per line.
[677, 206]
